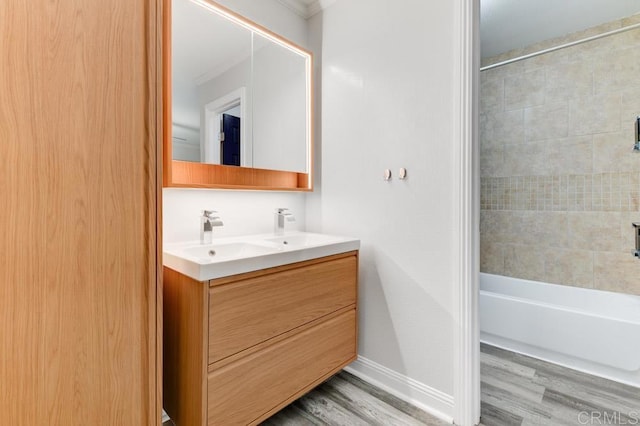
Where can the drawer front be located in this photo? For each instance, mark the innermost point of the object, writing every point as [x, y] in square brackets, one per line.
[245, 313]
[241, 392]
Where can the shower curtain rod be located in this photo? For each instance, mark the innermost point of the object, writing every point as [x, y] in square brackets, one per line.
[561, 46]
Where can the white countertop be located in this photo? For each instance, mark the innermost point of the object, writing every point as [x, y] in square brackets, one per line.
[237, 255]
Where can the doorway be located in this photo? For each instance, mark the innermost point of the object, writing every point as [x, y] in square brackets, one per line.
[232, 146]
[230, 138]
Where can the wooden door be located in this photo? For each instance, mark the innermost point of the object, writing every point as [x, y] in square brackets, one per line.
[231, 143]
[78, 215]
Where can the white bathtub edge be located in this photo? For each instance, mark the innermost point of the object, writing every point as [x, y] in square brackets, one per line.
[555, 358]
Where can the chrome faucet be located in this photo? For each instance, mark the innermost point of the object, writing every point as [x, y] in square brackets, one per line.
[282, 216]
[207, 221]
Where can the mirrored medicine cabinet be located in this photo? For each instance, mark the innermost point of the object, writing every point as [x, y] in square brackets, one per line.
[237, 102]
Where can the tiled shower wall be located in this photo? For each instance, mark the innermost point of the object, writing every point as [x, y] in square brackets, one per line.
[560, 184]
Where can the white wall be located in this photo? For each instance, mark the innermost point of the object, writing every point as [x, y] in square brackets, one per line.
[387, 89]
[185, 104]
[244, 212]
[186, 143]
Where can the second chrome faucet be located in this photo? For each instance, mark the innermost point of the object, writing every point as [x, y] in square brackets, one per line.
[281, 217]
[209, 220]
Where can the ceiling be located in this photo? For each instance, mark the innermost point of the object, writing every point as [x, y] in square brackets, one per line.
[513, 24]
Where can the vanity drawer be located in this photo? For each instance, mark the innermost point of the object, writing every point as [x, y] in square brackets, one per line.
[247, 312]
[247, 390]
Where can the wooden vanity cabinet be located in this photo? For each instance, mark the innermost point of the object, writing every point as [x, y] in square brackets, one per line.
[240, 348]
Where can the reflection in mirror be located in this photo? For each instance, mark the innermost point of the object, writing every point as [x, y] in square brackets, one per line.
[211, 78]
[279, 107]
[239, 98]
[237, 106]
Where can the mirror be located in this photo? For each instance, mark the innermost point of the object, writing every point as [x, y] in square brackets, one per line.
[209, 82]
[237, 110]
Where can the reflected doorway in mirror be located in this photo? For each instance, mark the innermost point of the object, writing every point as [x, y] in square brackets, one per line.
[230, 140]
[235, 104]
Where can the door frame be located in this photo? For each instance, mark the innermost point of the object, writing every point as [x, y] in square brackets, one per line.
[210, 142]
[466, 388]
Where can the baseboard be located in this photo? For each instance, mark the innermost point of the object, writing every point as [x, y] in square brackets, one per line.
[431, 400]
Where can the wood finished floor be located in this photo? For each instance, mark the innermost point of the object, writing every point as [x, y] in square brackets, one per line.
[520, 391]
[346, 400]
[516, 391]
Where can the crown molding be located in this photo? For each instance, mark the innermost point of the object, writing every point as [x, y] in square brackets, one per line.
[304, 9]
[297, 7]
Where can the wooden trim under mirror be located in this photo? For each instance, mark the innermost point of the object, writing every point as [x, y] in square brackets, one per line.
[200, 175]
[186, 174]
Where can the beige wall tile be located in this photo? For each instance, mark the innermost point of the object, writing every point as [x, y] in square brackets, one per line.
[492, 258]
[524, 160]
[524, 90]
[595, 231]
[626, 39]
[560, 184]
[616, 70]
[503, 71]
[595, 114]
[569, 267]
[613, 152]
[524, 261]
[631, 20]
[491, 95]
[552, 58]
[573, 155]
[568, 80]
[546, 122]
[492, 161]
[548, 229]
[494, 227]
[497, 128]
[595, 47]
[524, 227]
[619, 272]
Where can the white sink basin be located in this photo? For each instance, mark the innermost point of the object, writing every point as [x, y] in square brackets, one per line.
[223, 252]
[301, 240]
[232, 256]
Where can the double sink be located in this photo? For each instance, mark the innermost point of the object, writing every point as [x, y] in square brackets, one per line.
[237, 255]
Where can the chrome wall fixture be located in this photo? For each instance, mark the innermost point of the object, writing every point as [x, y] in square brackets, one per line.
[636, 147]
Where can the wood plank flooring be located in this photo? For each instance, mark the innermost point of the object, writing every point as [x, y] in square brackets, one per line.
[516, 391]
[519, 391]
[346, 400]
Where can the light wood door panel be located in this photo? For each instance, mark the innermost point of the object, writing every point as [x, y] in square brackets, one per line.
[245, 391]
[78, 221]
[245, 313]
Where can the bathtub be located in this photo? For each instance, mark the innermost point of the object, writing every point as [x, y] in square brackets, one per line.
[597, 332]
